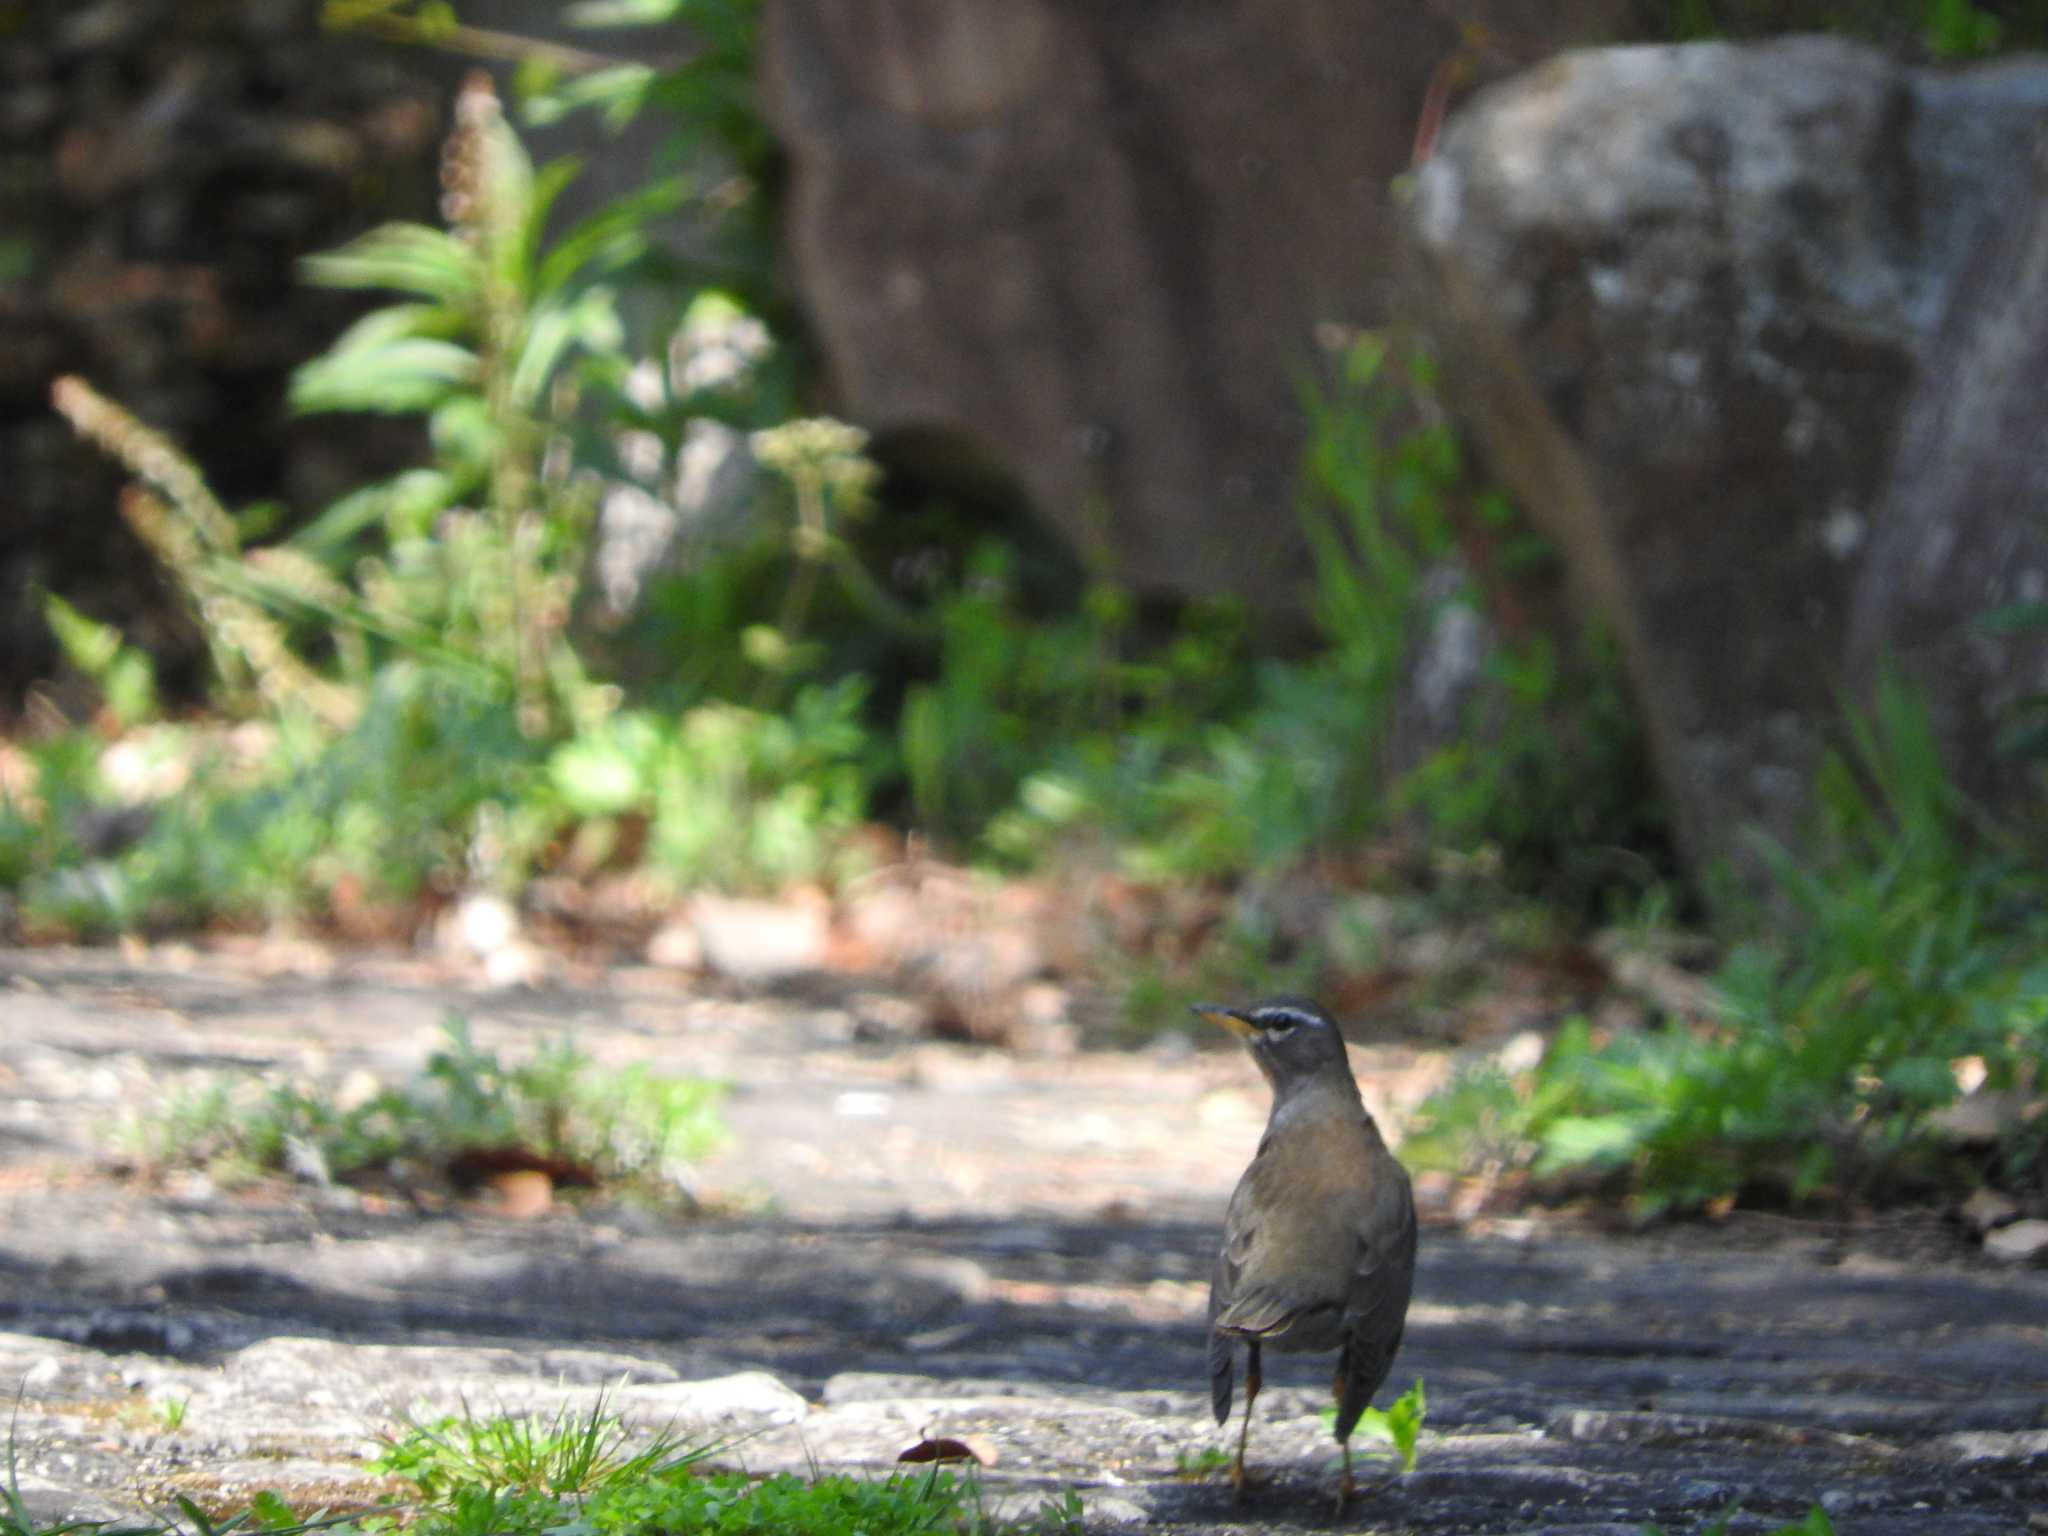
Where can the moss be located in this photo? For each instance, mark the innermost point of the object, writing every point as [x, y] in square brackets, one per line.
[1946, 29]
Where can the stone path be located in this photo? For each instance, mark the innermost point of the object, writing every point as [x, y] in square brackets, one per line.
[933, 1241]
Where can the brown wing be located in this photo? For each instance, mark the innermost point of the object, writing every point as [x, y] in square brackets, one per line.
[1283, 1275]
[1382, 1278]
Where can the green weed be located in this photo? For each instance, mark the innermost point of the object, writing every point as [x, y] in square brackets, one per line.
[170, 1412]
[505, 1476]
[732, 797]
[1199, 1465]
[630, 1126]
[572, 1454]
[1397, 1426]
[484, 551]
[1913, 946]
[1814, 1522]
[125, 677]
[1944, 29]
[492, 1477]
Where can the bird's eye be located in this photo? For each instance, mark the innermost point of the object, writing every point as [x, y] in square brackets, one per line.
[1279, 1031]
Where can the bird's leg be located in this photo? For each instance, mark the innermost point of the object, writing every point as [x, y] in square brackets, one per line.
[1344, 1484]
[1251, 1392]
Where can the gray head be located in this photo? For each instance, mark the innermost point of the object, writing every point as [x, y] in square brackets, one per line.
[1291, 1039]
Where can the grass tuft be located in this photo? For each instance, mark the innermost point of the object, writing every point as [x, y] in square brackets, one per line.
[556, 1110]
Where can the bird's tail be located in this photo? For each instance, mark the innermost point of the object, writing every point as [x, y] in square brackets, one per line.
[1222, 1373]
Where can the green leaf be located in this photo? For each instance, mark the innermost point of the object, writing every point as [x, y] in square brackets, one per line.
[467, 438]
[506, 208]
[553, 180]
[410, 258]
[1924, 1082]
[618, 93]
[1816, 1523]
[406, 504]
[1573, 1141]
[125, 677]
[608, 773]
[608, 239]
[87, 644]
[1399, 1423]
[2032, 614]
[390, 378]
[591, 323]
[625, 13]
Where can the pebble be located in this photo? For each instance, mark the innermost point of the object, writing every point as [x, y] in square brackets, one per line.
[1987, 1209]
[2024, 1242]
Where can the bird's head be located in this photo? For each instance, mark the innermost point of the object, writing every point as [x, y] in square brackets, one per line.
[1291, 1039]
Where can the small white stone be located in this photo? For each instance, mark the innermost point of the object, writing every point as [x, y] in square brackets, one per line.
[2024, 1242]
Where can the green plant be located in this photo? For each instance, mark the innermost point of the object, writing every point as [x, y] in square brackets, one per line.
[1914, 946]
[485, 549]
[1957, 29]
[1200, 1465]
[2025, 730]
[125, 677]
[732, 797]
[630, 1126]
[1036, 726]
[571, 1454]
[170, 1412]
[1814, 1522]
[509, 1477]
[53, 793]
[1946, 29]
[1397, 1425]
[1189, 760]
[433, 783]
[1063, 1515]
[176, 514]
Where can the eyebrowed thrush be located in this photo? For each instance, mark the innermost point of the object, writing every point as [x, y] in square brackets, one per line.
[1319, 1242]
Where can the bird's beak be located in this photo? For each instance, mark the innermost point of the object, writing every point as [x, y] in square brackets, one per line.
[1229, 1018]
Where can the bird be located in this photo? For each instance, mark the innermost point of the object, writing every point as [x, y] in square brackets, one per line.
[1319, 1239]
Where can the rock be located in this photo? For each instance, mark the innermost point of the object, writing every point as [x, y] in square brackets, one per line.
[1035, 1510]
[1981, 1119]
[753, 1397]
[477, 925]
[676, 946]
[2023, 1242]
[1446, 674]
[1095, 244]
[758, 941]
[1960, 532]
[1683, 296]
[1987, 1209]
[969, 954]
[2022, 1446]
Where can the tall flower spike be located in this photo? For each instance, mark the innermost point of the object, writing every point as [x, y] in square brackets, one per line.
[462, 158]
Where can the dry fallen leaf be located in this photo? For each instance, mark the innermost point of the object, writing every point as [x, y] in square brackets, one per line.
[948, 1448]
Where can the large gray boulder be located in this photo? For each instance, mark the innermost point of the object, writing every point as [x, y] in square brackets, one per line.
[1093, 243]
[1964, 526]
[1684, 296]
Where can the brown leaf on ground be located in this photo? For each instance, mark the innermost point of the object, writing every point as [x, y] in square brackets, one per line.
[948, 1448]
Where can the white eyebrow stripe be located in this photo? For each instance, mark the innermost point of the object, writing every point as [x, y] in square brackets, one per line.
[1283, 1018]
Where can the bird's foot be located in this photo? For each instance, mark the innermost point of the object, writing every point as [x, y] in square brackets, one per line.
[1348, 1490]
[1244, 1482]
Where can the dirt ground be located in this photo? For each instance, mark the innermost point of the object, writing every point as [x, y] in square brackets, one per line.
[915, 1239]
